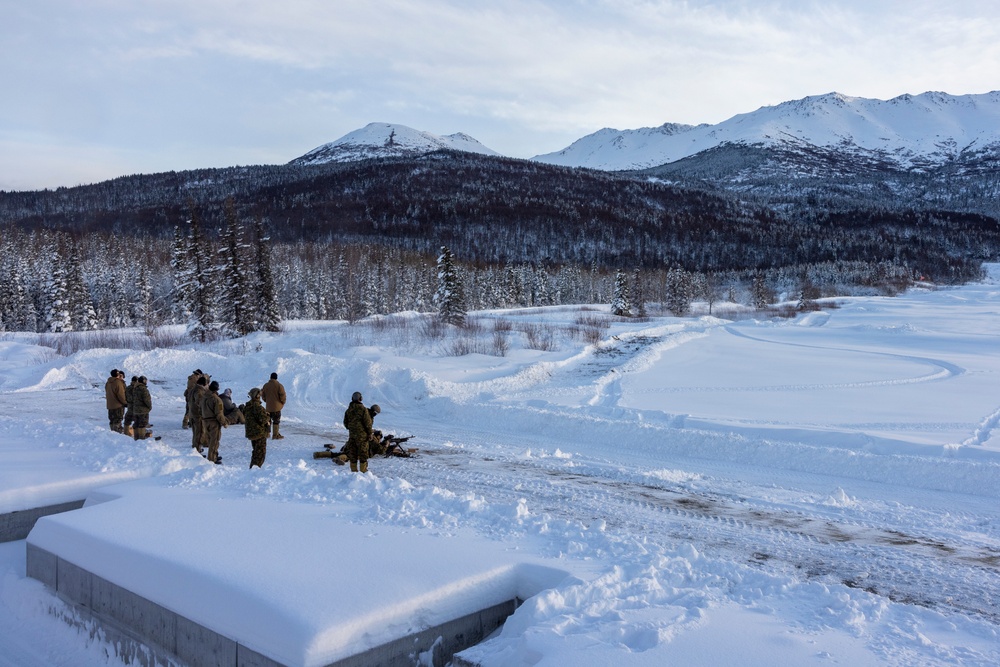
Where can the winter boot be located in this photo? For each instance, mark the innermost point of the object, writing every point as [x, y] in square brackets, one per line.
[275, 435]
[138, 434]
[364, 466]
[130, 432]
[354, 466]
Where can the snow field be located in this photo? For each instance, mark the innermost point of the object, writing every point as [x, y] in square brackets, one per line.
[820, 490]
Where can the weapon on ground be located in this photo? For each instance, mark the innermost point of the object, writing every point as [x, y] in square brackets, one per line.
[391, 445]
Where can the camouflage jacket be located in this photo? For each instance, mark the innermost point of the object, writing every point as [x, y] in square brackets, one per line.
[257, 420]
[130, 393]
[141, 402]
[358, 422]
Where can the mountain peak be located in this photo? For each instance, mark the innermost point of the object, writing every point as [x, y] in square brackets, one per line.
[912, 131]
[380, 140]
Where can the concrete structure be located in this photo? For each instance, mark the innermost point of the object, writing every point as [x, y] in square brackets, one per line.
[177, 576]
[16, 525]
[145, 633]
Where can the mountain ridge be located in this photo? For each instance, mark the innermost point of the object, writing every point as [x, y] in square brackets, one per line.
[914, 132]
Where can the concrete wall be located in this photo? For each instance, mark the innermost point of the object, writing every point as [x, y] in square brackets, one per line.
[17, 525]
[147, 634]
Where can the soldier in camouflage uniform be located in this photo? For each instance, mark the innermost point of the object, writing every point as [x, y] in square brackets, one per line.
[141, 405]
[114, 396]
[358, 422]
[213, 420]
[129, 411]
[255, 427]
[188, 395]
[195, 399]
[376, 445]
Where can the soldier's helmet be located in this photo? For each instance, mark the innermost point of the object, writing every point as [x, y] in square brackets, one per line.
[375, 409]
[254, 393]
[356, 397]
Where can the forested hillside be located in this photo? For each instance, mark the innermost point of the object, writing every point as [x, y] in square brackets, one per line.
[347, 240]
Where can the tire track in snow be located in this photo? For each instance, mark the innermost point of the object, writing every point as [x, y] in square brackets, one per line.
[897, 562]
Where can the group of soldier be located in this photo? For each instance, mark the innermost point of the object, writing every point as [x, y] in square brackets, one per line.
[128, 407]
[207, 413]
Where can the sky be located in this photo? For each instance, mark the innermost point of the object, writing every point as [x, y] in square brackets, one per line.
[104, 88]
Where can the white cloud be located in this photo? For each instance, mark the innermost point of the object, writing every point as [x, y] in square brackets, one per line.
[524, 76]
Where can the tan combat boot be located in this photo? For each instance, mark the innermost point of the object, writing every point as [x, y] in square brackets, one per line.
[364, 466]
[274, 433]
[354, 466]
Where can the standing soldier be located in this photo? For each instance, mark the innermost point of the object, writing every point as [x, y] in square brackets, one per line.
[114, 396]
[273, 394]
[213, 420]
[142, 403]
[194, 400]
[255, 427]
[358, 422]
[129, 410]
[188, 393]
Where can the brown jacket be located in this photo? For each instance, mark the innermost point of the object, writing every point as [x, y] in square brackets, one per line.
[211, 408]
[273, 394]
[114, 393]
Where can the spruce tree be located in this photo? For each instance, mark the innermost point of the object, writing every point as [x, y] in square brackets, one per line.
[759, 293]
[267, 315]
[449, 297]
[679, 292]
[78, 301]
[621, 303]
[638, 294]
[202, 307]
[235, 307]
[57, 314]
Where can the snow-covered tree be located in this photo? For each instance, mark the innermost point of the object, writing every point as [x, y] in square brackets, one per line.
[679, 292]
[267, 313]
[639, 294]
[57, 314]
[234, 284]
[199, 280]
[621, 302]
[449, 297]
[78, 301]
[760, 295]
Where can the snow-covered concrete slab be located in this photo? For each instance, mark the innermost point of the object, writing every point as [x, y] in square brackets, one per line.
[303, 585]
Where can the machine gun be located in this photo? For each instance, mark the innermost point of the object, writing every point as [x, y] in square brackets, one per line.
[386, 446]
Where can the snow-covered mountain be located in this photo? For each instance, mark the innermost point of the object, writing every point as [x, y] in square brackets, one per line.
[377, 140]
[909, 132]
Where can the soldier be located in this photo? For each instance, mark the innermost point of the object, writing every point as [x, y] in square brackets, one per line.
[194, 401]
[188, 392]
[142, 403]
[129, 411]
[213, 420]
[273, 394]
[114, 396]
[234, 415]
[255, 427]
[376, 446]
[358, 422]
